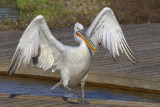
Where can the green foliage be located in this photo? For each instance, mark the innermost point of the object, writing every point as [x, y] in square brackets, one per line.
[8, 1]
[48, 8]
[29, 4]
[5, 1]
[59, 13]
[62, 13]
[65, 13]
[7, 24]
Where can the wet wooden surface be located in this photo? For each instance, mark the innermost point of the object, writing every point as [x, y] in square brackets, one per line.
[15, 100]
[144, 40]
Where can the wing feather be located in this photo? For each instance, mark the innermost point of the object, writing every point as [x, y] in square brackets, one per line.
[106, 30]
[37, 42]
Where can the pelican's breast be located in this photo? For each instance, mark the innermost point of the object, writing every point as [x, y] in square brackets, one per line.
[77, 62]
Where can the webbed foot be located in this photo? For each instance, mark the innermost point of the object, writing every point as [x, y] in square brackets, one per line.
[82, 101]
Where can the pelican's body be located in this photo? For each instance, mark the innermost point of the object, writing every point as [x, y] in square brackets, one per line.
[37, 45]
[76, 64]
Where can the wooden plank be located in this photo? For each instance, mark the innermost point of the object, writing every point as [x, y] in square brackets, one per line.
[43, 101]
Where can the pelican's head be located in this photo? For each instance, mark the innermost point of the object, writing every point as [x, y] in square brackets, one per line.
[78, 27]
[80, 35]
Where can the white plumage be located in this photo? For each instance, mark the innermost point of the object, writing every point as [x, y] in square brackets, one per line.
[106, 30]
[39, 46]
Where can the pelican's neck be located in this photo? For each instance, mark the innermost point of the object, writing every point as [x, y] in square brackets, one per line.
[82, 43]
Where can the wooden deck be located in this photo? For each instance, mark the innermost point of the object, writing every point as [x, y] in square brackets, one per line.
[144, 40]
[13, 100]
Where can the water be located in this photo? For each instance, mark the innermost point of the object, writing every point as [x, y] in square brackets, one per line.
[8, 9]
[30, 86]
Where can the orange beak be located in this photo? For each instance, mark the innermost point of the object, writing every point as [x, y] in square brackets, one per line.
[86, 40]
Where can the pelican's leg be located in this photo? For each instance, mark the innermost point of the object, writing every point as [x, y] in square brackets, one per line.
[57, 85]
[82, 88]
[82, 100]
[70, 90]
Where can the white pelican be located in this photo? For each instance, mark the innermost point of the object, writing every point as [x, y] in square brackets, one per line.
[37, 45]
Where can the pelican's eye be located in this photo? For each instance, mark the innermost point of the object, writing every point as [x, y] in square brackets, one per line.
[78, 28]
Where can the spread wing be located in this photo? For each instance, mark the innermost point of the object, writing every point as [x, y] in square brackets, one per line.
[106, 30]
[37, 44]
